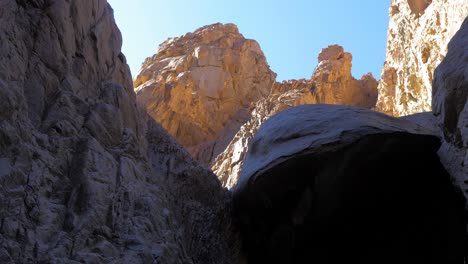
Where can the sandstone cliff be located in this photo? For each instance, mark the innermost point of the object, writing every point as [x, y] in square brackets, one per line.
[200, 86]
[331, 83]
[85, 175]
[419, 31]
[203, 86]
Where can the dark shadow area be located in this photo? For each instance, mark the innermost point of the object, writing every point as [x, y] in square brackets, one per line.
[384, 199]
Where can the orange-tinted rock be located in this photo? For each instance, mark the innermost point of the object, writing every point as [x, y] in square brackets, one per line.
[203, 86]
[334, 84]
[418, 35]
[331, 83]
[200, 86]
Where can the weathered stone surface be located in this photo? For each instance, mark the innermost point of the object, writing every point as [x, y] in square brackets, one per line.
[334, 84]
[418, 35]
[200, 86]
[322, 179]
[450, 106]
[331, 83]
[85, 175]
[203, 86]
[426, 120]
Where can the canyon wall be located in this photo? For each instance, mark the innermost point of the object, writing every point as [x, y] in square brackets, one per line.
[450, 106]
[418, 34]
[85, 175]
[200, 87]
[203, 86]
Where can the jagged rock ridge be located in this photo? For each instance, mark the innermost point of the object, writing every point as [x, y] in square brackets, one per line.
[203, 86]
[200, 86]
[85, 175]
[331, 83]
[419, 31]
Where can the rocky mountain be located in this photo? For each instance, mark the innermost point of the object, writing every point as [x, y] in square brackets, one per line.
[418, 34]
[85, 175]
[331, 83]
[203, 86]
[200, 86]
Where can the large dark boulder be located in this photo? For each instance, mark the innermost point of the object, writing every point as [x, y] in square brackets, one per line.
[336, 184]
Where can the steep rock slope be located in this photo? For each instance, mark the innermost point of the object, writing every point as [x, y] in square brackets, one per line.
[331, 83]
[419, 31]
[203, 86]
[200, 86]
[85, 175]
[450, 106]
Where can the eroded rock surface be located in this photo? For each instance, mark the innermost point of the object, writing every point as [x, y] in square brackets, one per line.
[331, 83]
[450, 106]
[418, 35]
[85, 175]
[322, 179]
[200, 86]
[203, 86]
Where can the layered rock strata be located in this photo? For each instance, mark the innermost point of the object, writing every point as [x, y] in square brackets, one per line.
[85, 175]
[419, 31]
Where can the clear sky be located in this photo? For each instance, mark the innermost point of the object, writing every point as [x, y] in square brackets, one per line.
[291, 33]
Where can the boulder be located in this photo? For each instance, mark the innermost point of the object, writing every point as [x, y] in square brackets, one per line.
[338, 184]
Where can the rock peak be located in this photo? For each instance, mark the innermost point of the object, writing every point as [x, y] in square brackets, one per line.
[228, 28]
[200, 86]
[332, 52]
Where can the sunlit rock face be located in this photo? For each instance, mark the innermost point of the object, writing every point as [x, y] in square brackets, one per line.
[450, 106]
[419, 31]
[201, 86]
[85, 175]
[334, 84]
[331, 83]
[335, 184]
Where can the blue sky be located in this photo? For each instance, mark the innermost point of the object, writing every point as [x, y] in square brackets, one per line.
[291, 33]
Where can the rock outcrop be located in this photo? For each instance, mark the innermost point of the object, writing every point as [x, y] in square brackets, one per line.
[200, 86]
[203, 86]
[322, 179]
[418, 35]
[334, 84]
[331, 83]
[85, 175]
[450, 106]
